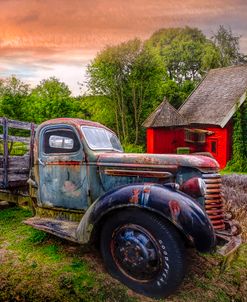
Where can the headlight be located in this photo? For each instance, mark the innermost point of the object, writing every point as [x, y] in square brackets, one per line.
[195, 187]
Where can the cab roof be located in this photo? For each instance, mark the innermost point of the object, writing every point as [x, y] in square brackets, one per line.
[74, 121]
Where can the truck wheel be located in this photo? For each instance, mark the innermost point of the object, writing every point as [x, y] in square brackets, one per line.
[143, 252]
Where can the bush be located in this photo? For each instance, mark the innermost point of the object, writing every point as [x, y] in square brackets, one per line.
[131, 148]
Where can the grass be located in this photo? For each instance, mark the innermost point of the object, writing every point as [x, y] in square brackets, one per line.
[15, 148]
[35, 266]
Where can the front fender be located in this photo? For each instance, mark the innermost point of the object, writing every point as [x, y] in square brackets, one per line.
[182, 211]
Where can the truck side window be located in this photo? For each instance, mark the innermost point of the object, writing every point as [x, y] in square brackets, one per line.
[60, 141]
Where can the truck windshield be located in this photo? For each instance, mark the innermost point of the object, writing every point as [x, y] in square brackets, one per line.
[101, 139]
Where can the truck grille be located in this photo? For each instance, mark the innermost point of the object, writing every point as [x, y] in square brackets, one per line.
[214, 206]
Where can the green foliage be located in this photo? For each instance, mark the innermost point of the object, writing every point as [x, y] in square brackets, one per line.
[13, 95]
[50, 99]
[239, 158]
[187, 53]
[131, 76]
[15, 148]
[95, 108]
[132, 148]
[176, 93]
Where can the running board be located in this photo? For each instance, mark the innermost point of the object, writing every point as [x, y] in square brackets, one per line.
[62, 228]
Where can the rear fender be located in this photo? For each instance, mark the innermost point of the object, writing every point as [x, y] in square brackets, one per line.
[182, 211]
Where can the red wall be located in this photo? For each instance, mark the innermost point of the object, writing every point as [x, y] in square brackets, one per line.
[223, 139]
[162, 140]
[167, 140]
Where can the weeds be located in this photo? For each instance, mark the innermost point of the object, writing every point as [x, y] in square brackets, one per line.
[235, 194]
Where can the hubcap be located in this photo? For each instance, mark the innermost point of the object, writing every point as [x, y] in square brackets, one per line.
[135, 252]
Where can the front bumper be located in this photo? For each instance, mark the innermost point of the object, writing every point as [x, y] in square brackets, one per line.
[229, 239]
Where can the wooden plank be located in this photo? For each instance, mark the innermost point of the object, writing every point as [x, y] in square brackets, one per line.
[19, 161]
[5, 153]
[31, 159]
[17, 178]
[20, 125]
[15, 171]
[16, 162]
[19, 139]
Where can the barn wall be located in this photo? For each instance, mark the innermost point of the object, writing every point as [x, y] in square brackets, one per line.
[223, 139]
[167, 140]
[162, 140]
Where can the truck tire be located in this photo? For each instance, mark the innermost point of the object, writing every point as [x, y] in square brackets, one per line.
[143, 252]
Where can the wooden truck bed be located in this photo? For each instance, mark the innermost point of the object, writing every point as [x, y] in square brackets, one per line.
[15, 166]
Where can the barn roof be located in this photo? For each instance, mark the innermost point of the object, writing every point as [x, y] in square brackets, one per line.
[214, 100]
[164, 116]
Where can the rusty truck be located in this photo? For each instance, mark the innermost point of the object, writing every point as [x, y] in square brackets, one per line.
[141, 210]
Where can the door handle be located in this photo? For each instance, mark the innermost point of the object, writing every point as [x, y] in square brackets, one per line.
[41, 162]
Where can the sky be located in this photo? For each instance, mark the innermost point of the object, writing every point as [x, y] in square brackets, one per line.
[43, 38]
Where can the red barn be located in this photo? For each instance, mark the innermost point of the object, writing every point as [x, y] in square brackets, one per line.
[204, 123]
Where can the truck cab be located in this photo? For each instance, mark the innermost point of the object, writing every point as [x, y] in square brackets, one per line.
[142, 210]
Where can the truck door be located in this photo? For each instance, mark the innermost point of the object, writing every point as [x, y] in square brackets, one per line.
[62, 168]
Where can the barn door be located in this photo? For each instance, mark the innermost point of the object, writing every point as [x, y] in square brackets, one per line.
[213, 147]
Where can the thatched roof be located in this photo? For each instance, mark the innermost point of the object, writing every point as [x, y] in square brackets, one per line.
[214, 100]
[164, 116]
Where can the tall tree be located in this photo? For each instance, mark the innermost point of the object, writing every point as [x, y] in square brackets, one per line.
[183, 51]
[131, 76]
[228, 46]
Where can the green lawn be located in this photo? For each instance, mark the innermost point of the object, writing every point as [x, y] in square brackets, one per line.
[35, 266]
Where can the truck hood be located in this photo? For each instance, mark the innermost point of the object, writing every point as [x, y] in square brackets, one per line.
[157, 161]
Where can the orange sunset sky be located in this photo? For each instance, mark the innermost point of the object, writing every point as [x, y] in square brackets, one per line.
[42, 38]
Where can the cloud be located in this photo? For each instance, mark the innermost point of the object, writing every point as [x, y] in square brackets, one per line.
[37, 36]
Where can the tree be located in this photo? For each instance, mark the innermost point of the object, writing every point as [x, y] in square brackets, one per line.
[94, 108]
[131, 76]
[176, 93]
[183, 51]
[13, 95]
[228, 46]
[50, 99]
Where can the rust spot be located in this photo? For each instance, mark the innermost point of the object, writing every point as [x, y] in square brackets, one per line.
[174, 208]
[135, 196]
[147, 190]
[64, 163]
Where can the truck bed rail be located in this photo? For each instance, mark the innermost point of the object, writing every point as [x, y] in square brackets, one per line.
[14, 170]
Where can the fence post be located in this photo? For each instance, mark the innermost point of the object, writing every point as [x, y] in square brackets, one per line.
[5, 153]
[32, 130]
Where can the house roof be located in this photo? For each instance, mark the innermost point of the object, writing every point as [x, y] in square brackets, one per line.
[165, 115]
[214, 100]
